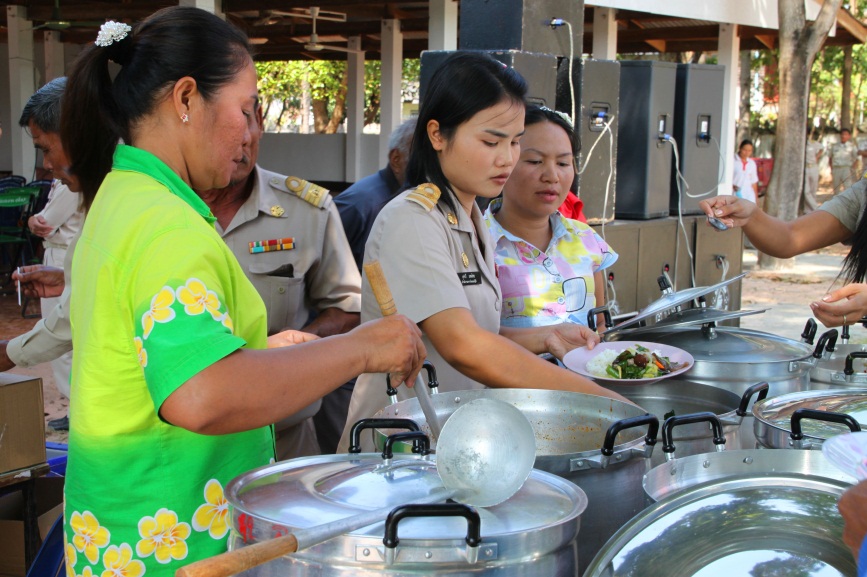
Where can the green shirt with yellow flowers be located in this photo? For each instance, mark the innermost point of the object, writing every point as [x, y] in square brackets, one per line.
[157, 298]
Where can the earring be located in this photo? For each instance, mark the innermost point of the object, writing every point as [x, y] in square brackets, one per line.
[185, 118]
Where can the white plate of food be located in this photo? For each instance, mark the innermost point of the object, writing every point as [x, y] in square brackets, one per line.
[628, 362]
[848, 452]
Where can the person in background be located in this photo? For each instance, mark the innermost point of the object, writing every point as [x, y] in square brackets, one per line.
[50, 339]
[549, 266]
[745, 182]
[360, 203]
[173, 387]
[840, 219]
[60, 221]
[844, 162]
[813, 153]
[436, 254]
[853, 508]
[308, 284]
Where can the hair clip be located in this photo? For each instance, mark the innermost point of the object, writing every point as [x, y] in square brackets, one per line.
[562, 115]
[111, 32]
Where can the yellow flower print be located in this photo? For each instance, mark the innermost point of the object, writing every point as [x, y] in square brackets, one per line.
[141, 352]
[118, 562]
[162, 536]
[88, 572]
[197, 299]
[89, 537]
[160, 312]
[211, 516]
[227, 322]
[71, 559]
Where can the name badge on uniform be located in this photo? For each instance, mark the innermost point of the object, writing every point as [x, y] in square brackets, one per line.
[470, 278]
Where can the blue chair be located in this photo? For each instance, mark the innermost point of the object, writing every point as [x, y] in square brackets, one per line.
[15, 239]
[49, 561]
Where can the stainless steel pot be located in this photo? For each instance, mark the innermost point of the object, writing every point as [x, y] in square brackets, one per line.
[804, 420]
[837, 364]
[540, 522]
[596, 442]
[681, 397]
[682, 471]
[745, 525]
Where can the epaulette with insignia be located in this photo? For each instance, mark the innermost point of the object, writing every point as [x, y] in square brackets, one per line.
[426, 195]
[307, 191]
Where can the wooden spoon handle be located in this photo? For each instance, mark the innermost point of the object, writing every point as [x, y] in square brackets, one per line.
[380, 288]
[232, 562]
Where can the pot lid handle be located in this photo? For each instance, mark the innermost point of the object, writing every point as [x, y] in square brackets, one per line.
[667, 428]
[474, 525]
[761, 388]
[849, 369]
[355, 431]
[797, 433]
[420, 443]
[611, 435]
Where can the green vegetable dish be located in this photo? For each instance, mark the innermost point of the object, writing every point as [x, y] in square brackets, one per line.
[637, 362]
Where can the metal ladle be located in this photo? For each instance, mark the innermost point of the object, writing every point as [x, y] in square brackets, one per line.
[485, 453]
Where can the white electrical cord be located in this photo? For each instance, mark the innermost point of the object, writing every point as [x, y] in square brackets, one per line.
[680, 179]
[554, 24]
[719, 180]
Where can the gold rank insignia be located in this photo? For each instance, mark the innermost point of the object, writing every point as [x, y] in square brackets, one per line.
[453, 220]
[426, 195]
[307, 191]
[277, 210]
[465, 260]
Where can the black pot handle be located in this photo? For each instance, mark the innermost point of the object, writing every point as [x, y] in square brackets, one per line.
[591, 317]
[748, 394]
[827, 342]
[809, 331]
[432, 382]
[623, 424]
[671, 422]
[797, 433]
[845, 336]
[474, 523]
[848, 370]
[355, 431]
[420, 443]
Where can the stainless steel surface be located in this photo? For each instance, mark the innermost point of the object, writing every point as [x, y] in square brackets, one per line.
[773, 525]
[689, 317]
[570, 429]
[669, 301]
[686, 471]
[829, 369]
[733, 358]
[772, 417]
[541, 519]
[681, 397]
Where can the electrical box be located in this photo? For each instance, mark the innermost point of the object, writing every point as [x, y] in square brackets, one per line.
[597, 92]
[539, 70]
[697, 124]
[644, 155]
[522, 25]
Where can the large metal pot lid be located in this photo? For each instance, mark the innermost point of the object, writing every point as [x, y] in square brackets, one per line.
[672, 300]
[310, 491]
[689, 317]
[777, 411]
[731, 345]
[774, 525]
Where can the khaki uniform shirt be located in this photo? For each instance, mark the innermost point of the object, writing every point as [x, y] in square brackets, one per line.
[63, 213]
[813, 149]
[843, 155]
[432, 262]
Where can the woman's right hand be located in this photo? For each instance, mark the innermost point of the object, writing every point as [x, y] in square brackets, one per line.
[391, 345]
[733, 211]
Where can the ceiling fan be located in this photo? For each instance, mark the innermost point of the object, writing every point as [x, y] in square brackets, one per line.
[58, 23]
[314, 14]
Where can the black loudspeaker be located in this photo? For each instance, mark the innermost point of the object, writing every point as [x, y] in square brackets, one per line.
[698, 104]
[521, 25]
[644, 154]
[597, 93]
[539, 70]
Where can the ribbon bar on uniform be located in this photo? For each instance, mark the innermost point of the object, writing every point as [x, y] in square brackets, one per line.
[273, 244]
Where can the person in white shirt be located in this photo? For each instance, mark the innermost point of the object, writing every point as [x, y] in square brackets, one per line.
[746, 175]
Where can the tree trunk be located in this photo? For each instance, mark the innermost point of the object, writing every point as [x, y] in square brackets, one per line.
[846, 94]
[745, 115]
[320, 115]
[339, 111]
[799, 43]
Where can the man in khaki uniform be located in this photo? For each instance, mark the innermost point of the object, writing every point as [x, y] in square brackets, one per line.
[844, 161]
[811, 175]
[287, 235]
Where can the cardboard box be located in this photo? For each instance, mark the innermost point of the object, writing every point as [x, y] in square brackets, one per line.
[49, 506]
[22, 422]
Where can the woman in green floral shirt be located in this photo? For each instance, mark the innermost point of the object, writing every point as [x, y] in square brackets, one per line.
[172, 394]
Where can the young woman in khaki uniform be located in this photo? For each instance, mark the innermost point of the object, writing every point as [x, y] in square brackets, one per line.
[434, 250]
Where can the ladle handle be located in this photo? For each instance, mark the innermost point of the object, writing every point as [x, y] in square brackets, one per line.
[232, 562]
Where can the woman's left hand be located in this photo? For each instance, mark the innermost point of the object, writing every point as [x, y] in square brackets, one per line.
[843, 306]
[567, 336]
[288, 338]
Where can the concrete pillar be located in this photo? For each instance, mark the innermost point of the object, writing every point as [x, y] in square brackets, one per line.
[443, 26]
[392, 69]
[729, 55]
[22, 85]
[54, 58]
[604, 34]
[354, 110]
[213, 6]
